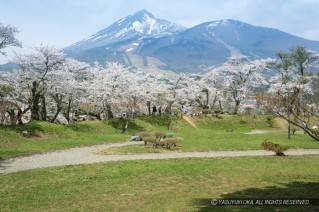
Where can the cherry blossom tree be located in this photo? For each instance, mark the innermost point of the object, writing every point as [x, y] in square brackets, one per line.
[291, 90]
[49, 85]
[36, 66]
[8, 103]
[240, 77]
[64, 86]
[7, 37]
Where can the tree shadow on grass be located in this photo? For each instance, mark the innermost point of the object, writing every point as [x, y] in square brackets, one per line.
[31, 127]
[271, 198]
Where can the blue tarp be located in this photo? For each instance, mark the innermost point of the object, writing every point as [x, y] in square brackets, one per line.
[135, 138]
[169, 134]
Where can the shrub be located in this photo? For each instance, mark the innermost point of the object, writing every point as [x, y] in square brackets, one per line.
[217, 116]
[145, 134]
[241, 120]
[230, 129]
[159, 138]
[270, 121]
[173, 128]
[218, 111]
[150, 139]
[159, 134]
[161, 143]
[172, 142]
[278, 149]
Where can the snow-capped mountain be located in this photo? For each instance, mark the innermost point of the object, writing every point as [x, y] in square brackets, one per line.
[133, 27]
[153, 44]
[210, 44]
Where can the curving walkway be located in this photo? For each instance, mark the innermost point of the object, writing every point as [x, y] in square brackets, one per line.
[189, 119]
[87, 155]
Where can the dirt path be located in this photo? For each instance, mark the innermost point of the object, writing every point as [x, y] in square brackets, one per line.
[190, 121]
[260, 132]
[87, 155]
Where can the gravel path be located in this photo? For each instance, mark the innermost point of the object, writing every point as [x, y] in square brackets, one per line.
[87, 155]
[259, 132]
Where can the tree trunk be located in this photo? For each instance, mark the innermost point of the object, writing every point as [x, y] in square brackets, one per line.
[220, 106]
[19, 116]
[35, 102]
[214, 103]
[12, 116]
[168, 109]
[67, 115]
[169, 124]
[207, 98]
[56, 114]
[148, 103]
[59, 108]
[237, 103]
[58, 100]
[109, 111]
[43, 108]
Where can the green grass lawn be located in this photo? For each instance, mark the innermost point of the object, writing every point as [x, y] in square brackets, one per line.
[163, 185]
[211, 135]
[50, 137]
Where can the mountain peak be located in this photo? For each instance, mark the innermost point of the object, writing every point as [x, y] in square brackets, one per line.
[136, 26]
[141, 16]
[143, 13]
[147, 42]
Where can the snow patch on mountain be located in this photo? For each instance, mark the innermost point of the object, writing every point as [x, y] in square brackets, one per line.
[146, 42]
[130, 49]
[136, 26]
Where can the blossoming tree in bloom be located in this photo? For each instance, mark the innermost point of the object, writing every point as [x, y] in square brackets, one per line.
[45, 83]
[240, 77]
[7, 37]
[291, 94]
[65, 86]
[35, 67]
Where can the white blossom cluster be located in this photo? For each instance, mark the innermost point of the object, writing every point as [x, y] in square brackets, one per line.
[96, 89]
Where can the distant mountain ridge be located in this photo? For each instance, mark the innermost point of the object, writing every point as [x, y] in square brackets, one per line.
[156, 45]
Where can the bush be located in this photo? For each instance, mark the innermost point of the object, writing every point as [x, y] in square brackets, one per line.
[159, 139]
[145, 134]
[150, 139]
[218, 111]
[230, 129]
[172, 142]
[293, 130]
[270, 121]
[278, 149]
[159, 134]
[241, 120]
[217, 116]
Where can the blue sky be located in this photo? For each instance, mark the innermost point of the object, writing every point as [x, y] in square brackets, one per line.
[63, 22]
